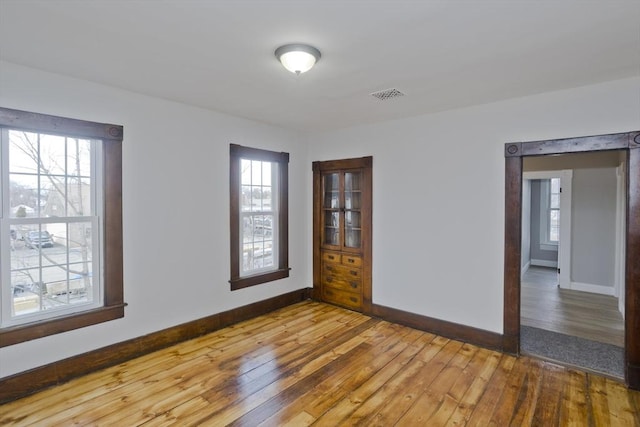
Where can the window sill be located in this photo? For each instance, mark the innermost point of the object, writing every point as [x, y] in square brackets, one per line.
[30, 331]
[549, 247]
[245, 282]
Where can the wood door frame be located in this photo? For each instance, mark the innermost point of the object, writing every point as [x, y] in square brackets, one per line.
[514, 153]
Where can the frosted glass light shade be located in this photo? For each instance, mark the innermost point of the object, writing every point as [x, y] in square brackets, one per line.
[297, 58]
[298, 62]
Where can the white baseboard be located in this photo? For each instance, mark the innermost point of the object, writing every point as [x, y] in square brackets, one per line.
[594, 289]
[544, 263]
[525, 268]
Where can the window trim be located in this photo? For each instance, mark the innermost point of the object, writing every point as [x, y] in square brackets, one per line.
[545, 213]
[550, 209]
[237, 152]
[546, 244]
[113, 289]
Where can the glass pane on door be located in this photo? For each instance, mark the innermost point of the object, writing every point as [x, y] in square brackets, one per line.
[352, 190]
[331, 209]
[331, 228]
[352, 181]
[352, 219]
[331, 190]
[352, 224]
[352, 238]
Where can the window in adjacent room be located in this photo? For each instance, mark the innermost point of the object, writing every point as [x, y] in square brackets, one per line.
[60, 225]
[549, 213]
[553, 212]
[259, 216]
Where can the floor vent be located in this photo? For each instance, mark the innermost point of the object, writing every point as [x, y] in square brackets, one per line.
[383, 95]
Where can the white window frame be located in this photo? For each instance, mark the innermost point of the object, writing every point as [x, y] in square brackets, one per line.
[274, 212]
[550, 209]
[7, 317]
[545, 211]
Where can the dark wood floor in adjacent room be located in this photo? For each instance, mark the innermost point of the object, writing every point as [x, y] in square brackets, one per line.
[313, 363]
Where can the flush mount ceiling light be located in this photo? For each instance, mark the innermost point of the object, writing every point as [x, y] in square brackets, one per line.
[297, 58]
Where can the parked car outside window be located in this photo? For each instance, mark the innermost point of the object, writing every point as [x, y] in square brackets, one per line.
[38, 239]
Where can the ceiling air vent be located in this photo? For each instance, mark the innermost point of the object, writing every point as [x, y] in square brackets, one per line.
[386, 94]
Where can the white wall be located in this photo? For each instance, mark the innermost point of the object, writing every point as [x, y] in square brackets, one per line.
[438, 192]
[175, 208]
[594, 229]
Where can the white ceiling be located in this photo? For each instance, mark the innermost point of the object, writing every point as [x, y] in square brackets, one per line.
[218, 54]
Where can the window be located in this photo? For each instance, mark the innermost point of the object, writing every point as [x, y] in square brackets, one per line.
[60, 225]
[259, 216]
[549, 214]
[553, 211]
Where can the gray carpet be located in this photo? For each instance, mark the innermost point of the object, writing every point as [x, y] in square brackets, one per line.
[605, 358]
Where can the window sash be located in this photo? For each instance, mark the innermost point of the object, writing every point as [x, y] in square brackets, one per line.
[553, 209]
[244, 243]
[8, 317]
[251, 215]
[547, 210]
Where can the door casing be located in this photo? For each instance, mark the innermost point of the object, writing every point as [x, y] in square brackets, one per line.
[514, 153]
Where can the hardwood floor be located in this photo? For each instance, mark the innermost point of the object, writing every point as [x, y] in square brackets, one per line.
[581, 314]
[313, 363]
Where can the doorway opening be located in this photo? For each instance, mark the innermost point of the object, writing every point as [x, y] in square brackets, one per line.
[569, 301]
[626, 283]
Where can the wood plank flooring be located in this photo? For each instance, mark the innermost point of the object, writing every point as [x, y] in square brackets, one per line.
[316, 364]
[582, 314]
